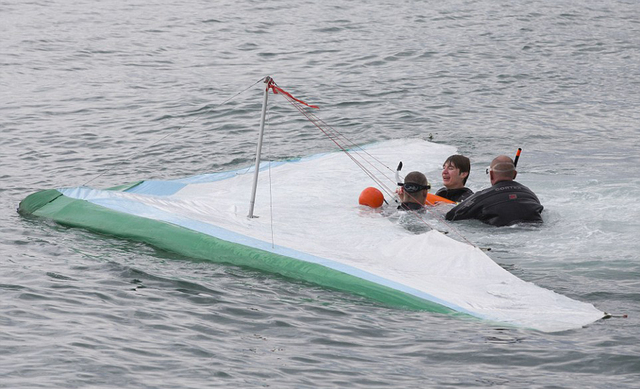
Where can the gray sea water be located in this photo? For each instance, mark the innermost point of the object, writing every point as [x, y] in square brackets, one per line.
[117, 91]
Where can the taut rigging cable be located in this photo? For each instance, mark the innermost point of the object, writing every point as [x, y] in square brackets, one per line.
[337, 137]
[367, 163]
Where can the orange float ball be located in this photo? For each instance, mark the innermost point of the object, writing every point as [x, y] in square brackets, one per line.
[371, 197]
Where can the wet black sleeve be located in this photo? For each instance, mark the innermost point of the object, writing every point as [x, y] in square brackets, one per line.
[468, 209]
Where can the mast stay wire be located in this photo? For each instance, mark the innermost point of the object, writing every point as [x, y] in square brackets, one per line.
[140, 151]
[335, 135]
[273, 244]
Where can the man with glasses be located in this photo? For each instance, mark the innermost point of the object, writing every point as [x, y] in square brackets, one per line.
[507, 202]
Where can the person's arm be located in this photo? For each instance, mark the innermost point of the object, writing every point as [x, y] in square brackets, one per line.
[468, 209]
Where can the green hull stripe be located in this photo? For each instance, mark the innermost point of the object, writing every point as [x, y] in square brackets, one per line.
[80, 213]
[36, 201]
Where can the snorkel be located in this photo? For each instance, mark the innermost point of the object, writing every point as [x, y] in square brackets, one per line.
[515, 160]
[398, 174]
[398, 181]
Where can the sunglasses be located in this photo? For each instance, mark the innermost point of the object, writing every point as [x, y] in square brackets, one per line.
[410, 187]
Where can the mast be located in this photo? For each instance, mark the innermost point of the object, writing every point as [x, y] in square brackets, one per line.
[268, 80]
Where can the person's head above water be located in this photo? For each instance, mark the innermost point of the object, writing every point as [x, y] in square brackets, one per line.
[502, 169]
[455, 171]
[415, 188]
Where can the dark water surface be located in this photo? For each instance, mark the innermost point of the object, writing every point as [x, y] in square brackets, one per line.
[111, 92]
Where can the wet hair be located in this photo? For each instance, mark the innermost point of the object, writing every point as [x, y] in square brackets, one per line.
[416, 178]
[419, 179]
[460, 162]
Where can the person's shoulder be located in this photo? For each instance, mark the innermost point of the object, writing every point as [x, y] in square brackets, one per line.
[466, 191]
[508, 185]
[461, 194]
[456, 195]
[478, 198]
[514, 182]
[528, 190]
[517, 185]
[482, 192]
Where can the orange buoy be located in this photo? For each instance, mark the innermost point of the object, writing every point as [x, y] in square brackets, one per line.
[371, 197]
[432, 199]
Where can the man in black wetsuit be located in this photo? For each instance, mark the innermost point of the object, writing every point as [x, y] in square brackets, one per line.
[413, 192]
[507, 202]
[455, 173]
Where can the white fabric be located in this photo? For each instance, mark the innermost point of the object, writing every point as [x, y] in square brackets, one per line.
[316, 211]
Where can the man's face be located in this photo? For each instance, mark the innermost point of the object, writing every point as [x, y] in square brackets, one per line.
[451, 176]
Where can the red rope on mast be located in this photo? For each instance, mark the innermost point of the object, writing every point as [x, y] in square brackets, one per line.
[276, 89]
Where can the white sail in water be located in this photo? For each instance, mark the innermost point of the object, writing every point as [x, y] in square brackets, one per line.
[310, 226]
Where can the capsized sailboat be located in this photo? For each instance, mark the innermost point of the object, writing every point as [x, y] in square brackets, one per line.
[306, 224]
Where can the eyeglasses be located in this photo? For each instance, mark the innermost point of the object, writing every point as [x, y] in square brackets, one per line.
[509, 168]
[410, 187]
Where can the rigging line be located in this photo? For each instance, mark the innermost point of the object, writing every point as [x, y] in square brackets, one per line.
[308, 115]
[355, 159]
[335, 136]
[367, 171]
[298, 105]
[352, 144]
[347, 152]
[331, 135]
[334, 139]
[138, 152]
[273, 244]
[347, 144]
[371, 175]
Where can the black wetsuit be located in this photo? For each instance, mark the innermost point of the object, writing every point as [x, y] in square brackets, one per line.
[411, 207]
[456, 195]
[505, 203]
